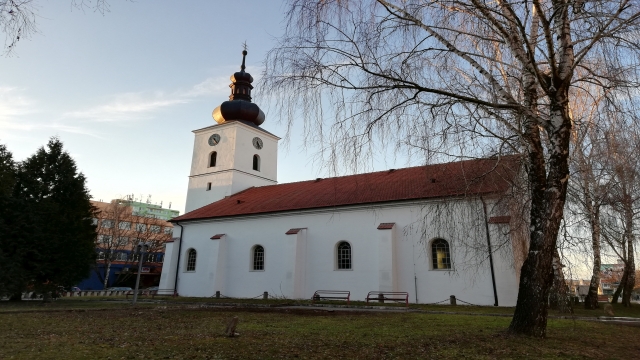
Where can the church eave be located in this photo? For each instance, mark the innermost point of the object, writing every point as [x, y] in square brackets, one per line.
[354, 206]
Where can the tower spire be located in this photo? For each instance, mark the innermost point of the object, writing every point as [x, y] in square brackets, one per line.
[244, 55]
[239, 106]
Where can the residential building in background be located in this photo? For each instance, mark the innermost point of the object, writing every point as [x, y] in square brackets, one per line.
[147, 209]
[120, 227]
[610, 277]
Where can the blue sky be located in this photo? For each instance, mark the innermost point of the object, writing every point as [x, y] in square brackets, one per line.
[124, 90]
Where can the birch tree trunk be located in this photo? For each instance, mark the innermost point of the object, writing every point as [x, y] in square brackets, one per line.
[591, 300]
[455, 79]
[107, 270]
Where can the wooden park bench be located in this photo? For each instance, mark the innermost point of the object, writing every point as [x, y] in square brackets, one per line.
[382, 296]
[331, 295]
[603, 298]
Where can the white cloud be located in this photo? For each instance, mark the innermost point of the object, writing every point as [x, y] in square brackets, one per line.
[142, 105]
[213, 86]
[13, 107]
[129, 106]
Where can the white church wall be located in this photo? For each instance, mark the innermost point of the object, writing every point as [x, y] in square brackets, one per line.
[244, 151]
[504, 264]
[198, 195]
[168, 275]
[225, 149]
[202, 278]
[324, 229]
[233, 170]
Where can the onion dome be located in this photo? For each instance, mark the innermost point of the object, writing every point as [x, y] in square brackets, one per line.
[239, 106]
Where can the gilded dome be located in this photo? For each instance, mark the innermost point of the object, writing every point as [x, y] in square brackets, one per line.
[239, 105]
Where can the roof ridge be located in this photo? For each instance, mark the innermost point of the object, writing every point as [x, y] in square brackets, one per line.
[497, 158]
[451, 179]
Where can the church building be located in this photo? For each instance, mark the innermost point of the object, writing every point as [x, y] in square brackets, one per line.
[431, 231]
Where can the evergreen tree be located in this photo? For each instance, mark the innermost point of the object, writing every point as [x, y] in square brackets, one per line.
[10, 267]
[15, 229]
[59, 250]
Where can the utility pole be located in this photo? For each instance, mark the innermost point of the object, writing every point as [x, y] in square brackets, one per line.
[142, 249]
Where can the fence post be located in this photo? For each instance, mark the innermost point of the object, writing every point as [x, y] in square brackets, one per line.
[265, 296]
[452, 300]
[218, 294]
[381, 298]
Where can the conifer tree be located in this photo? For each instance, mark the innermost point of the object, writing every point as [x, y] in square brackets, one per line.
[11, 224]
[60, 249]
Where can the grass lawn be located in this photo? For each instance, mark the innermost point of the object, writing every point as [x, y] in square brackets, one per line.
[169, 332]
[618, 310]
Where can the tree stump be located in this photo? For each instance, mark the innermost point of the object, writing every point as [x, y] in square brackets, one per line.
[608, 309]
[231, 327]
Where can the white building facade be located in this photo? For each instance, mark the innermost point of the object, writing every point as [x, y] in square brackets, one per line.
[242, 234]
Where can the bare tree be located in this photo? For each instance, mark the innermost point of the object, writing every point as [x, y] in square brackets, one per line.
[18, 18]
[623, 144]
[114, 236]
[457, 78]
[120, 230]
[152, 231]
[589, 183]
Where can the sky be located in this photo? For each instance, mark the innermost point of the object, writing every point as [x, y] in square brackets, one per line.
[123, 90]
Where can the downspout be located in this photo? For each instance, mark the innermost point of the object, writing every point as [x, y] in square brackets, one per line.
[486, 227]
[175, 284]
[415, 275]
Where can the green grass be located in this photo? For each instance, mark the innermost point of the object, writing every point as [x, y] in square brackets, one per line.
[110, 301]
[169, 331]
[64, 304]
[618, 310]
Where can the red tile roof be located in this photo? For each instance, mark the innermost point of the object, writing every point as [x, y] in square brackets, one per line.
[469, 177]
[293, 231]
[386, 226]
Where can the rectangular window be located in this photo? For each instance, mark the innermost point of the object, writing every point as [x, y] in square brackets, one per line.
[208, 186]
[258, 258]
[123, 241]
[124, 225]
[94, 221]
[141, 227]
[121, 256]
[168, 230]
[101, 255]
[108, 224]
[104, 239]
[155, 229]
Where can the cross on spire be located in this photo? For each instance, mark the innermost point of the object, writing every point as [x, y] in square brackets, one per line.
[244, 54]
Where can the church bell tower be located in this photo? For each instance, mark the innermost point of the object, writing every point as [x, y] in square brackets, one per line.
[235, 153]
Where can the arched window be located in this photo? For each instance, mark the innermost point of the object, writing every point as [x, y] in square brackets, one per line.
[343, 256]
[212, 159]
[441, 258]
[191, 260]
[256, 162]
[257, 256]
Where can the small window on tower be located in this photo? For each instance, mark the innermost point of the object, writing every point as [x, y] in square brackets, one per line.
[256, 162]
[212, 159]
[208, 186]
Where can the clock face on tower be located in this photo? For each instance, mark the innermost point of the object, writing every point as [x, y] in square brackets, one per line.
[257, 143]
[214, 139]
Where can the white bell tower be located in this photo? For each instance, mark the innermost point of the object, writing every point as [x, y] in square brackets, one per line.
[235, 154]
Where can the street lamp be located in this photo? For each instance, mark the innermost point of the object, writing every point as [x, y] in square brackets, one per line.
[141, 249]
